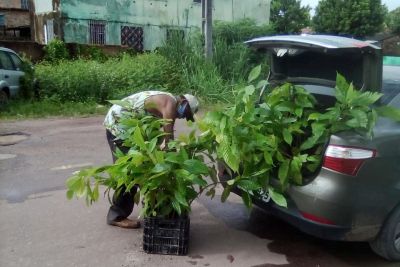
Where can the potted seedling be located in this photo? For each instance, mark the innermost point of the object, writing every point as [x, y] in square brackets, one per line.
[169, 181]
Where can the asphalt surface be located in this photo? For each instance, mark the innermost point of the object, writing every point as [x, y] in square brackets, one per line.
[40, 227]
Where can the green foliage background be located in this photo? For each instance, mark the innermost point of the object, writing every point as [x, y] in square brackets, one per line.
[89, 80]
[288, 16]
[349, 17]
[393, 20]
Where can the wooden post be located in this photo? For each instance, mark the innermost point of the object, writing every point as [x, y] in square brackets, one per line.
[208, 31]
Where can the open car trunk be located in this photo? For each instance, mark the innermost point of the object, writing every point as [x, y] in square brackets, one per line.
[313, 62]
[316, 59]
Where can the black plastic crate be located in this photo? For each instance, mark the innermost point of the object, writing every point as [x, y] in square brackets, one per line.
[166, 236]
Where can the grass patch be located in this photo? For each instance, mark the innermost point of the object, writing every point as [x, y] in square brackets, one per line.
[71, 86]
[22, 109]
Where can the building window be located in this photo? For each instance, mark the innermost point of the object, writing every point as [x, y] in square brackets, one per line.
[24, 4]
[197, 1]
[97, 30]
[2, 20]
[132, 37]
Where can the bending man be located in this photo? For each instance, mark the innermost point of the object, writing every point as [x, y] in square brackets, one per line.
[159, 104]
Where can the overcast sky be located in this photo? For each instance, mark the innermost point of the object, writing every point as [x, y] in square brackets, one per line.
[391, 4]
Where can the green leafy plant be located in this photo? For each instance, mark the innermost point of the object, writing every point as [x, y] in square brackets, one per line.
[267, 147]
[27, 81]
[90, 80]
[168, 180]
[55, 51]
[281, 141]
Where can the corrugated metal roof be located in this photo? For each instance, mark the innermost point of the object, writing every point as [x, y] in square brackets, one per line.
[321, 41]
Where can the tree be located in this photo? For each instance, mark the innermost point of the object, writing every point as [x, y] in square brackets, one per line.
[288, 16]
[393, 21]
[349, 17]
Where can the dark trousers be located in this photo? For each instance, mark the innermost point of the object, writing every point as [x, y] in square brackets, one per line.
[122, 203]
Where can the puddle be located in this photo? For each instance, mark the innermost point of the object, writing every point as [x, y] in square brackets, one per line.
[7, 156]
[12, 138]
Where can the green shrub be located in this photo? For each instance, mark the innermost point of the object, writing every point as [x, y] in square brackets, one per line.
[56, 50]
[83, 80]
[240, 31]
[27, 81]
[91, 52]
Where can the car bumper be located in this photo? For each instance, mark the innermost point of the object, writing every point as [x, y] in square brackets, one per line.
[311, 199]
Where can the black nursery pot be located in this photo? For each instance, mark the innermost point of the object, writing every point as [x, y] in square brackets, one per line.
[166, 236]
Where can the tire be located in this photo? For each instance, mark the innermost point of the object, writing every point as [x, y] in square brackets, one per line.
[3, 98]
[387, 243]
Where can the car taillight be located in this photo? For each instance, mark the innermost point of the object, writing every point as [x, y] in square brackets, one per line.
[347, 160]
[317, 219]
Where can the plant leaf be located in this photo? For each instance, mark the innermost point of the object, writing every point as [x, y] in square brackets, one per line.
[246, 199]
[70, 194]
[138, 138]
[177, 207]
[278, 198]
[225, 193]
[389, 112]
[254, 73]
[195, 166]
[283, 171]
[287, 136]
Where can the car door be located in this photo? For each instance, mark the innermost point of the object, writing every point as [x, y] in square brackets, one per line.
[11, 70]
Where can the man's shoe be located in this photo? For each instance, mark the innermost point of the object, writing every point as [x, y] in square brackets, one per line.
[126, 223]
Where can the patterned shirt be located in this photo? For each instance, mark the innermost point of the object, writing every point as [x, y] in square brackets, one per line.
[137, 102]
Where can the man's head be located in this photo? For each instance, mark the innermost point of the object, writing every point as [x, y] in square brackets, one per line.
[187, 107]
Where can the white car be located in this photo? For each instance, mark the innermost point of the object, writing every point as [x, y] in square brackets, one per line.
[10, 73]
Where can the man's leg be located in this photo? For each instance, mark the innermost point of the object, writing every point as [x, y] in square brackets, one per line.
[122, 202]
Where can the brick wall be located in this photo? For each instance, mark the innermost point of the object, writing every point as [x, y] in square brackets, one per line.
[10, 3]
[32, 50]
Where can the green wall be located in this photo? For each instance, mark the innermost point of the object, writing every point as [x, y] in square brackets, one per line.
[154, 16]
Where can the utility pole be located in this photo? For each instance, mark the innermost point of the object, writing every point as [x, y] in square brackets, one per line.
[208, 29]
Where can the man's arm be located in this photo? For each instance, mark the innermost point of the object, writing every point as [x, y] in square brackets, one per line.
[169, 113]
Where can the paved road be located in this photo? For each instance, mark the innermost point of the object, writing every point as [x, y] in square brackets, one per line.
[39, 227]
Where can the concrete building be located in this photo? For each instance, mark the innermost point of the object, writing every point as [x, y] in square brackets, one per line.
[140, 24]
[15, 21]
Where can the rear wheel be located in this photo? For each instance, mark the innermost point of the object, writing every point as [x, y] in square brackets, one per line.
[387, 243]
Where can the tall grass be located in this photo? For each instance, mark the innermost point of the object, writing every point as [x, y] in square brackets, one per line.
[200, 77]
[89, 80]
[231, 63]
